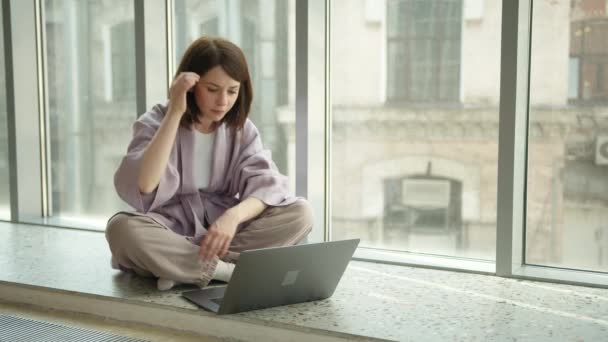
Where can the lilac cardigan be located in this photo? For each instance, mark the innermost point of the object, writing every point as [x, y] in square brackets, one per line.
[240, 168]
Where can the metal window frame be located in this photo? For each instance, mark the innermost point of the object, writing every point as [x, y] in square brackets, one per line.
[169, 6]
[328, 122]
[313, 111]
[513, 160]
[513, 133]
[140, 57]
[10, 109]
[27, 146]
[301, 36]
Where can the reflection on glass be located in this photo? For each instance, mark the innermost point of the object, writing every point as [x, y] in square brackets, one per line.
[261, 29]
[415, 125]
[5, 213]
[91, 102]
[567, 178]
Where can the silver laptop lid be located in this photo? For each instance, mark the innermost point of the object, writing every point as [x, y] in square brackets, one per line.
[285, 275]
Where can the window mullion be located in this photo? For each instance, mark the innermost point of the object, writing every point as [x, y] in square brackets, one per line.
[23, 113]
[514, 93]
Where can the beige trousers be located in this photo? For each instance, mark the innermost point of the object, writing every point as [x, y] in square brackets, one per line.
[141, 245]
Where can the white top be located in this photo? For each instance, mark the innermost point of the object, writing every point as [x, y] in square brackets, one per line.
[203, 150]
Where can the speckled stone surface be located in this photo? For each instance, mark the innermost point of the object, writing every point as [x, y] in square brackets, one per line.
[374, 300]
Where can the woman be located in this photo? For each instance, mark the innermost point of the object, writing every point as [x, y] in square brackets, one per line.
[202, 186]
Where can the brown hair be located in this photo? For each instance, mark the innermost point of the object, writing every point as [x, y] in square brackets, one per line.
[203, 55]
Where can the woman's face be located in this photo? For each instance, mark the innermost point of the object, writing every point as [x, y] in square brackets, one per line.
[215, 94]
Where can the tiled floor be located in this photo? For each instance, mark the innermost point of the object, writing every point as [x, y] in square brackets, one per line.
[372, 300]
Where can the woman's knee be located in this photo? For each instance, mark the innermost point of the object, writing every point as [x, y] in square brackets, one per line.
[303, 210]
[119, 229]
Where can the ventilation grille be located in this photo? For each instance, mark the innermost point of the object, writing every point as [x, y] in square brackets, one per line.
[17, 329]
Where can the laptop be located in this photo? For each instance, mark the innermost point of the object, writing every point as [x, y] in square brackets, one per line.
[269, 277]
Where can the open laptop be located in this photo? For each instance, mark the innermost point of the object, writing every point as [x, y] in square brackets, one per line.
[270, 277]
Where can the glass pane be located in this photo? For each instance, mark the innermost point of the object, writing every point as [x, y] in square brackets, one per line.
[91, 102]
[567, 178]
[261, 29]
[5, 213]
[415, 125]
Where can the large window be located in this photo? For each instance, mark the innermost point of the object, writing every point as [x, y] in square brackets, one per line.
[261, 29]
[409, 147]
[410, 176]
[4, 171]
[423, 50]
[567, 178]
[91, 104]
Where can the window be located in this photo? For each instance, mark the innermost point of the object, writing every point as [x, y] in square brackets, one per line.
[567, 178]
[405, 177]
[423, 50]
[589, 57]
[91, 105]
[261, 29]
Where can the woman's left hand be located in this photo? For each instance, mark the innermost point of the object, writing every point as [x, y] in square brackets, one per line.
[218, 237]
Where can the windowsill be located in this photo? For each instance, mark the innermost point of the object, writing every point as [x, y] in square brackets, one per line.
[70, 222]
[564, 276]
[528, 272]
[426, 261]
[399, 258]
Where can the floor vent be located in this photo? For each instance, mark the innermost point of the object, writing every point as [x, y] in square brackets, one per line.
[18, 329]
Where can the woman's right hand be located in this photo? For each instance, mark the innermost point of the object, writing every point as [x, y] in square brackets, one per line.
[181, 85]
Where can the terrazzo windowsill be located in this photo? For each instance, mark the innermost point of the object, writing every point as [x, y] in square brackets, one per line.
[372, 301]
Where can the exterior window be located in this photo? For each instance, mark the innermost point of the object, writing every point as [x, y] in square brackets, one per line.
[422, 205]
[589, 60]
[423, 50]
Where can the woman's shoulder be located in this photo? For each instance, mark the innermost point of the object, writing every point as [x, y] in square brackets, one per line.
[248, 130]
[249, 127]
[154, 116]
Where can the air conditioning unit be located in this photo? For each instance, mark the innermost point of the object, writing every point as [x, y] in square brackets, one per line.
[601, 150]
[425, 193]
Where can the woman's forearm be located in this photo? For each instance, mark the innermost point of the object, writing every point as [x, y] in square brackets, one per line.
[157, 153]
[247, 209]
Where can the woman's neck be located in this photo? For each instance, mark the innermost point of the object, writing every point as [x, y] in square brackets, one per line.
[205, 126]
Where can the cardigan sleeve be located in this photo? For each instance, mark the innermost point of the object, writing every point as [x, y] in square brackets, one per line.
[126, 176]
[257, 175]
